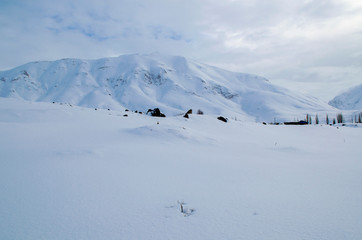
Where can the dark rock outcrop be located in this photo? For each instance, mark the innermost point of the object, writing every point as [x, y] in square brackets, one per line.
[155, 113]
[221, 118]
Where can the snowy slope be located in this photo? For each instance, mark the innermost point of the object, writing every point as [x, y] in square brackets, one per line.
[76, 173]
[139, 82]
[349, 100]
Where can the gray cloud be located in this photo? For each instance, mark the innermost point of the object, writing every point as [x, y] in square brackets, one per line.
[312, 46]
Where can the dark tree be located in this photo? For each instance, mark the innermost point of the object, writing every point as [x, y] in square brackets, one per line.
[308, 119]
[339, 118]
[327, 119]
[316, 119]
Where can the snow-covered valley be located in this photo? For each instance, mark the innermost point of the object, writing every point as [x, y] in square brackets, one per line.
[68, 172]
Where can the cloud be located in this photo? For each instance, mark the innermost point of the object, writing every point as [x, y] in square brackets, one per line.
[289, 42]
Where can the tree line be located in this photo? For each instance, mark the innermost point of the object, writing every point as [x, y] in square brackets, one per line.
[355, 118]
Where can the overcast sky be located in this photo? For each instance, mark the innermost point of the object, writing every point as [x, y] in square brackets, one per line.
[314, 46]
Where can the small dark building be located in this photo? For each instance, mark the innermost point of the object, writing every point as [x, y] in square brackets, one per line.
[302, 122]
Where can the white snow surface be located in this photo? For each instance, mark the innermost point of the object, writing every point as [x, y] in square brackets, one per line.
[349, 100]
[172, 83]
[68, 172]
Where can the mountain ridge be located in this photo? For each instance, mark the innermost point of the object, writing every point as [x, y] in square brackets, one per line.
[141, 81]
[348, 100]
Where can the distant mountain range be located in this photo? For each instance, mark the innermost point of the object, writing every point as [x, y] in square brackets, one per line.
[172, 83]
[349, 100]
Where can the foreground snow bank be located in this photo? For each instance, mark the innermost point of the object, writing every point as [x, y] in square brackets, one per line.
[76, 173]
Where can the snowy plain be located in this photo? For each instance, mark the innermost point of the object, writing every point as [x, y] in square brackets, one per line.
[69, 172]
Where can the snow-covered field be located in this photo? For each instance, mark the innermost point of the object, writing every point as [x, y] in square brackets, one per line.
[76, 173]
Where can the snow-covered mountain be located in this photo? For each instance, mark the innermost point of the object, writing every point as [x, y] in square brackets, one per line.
[349, 100]
[139, 82]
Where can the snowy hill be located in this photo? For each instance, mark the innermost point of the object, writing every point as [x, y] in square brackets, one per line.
[349, 100]
[139, 82]
[76, 173]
